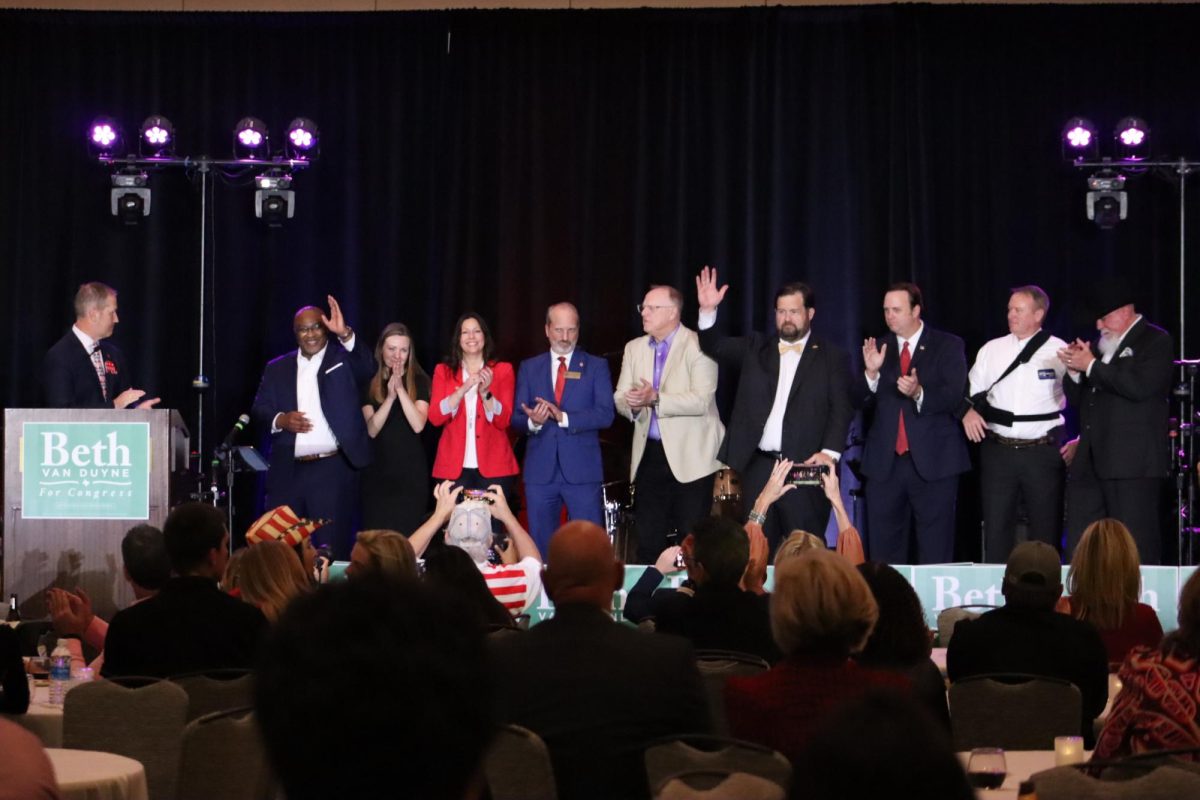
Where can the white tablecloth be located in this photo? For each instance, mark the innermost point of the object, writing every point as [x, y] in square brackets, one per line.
[91, 775]
[42, 719]
[1021, 764]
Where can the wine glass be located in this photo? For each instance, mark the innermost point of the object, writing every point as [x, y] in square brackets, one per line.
[986, 768]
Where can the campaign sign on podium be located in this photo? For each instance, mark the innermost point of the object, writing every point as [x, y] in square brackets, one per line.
[85, 470]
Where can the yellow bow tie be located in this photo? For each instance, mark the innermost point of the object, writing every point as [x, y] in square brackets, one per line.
[797, 348]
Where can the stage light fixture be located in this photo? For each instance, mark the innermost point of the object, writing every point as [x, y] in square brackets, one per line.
[156, 138]
[274, 200]
[104, 137]
[303, 140]
[251, 139]
[1079, 141]
[129, 197]
[1132, 137]
[1107, 202]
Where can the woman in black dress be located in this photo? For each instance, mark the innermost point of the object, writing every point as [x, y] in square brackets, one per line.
[396, 484]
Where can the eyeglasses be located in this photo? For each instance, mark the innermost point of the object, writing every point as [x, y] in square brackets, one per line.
[316, 326]
[647, 307]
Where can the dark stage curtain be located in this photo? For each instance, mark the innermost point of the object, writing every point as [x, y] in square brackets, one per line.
[503, 160]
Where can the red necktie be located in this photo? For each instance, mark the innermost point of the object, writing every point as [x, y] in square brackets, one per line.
[560, 380]
[901, 434]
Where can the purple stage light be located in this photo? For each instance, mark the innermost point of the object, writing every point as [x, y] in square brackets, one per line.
[302, 139]
[103, 134]
[157, 135]
[1079, 137]
[250, 138]
[1079, 140]
[1132, 138]
[157, 138]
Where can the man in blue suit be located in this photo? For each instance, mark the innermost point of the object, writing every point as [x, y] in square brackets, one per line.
[564, 398]
[915, 448]
[311, 401]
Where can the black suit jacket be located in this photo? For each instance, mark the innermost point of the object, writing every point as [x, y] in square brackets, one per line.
[818, 410]
[1123, 407]
[340, 381]
[190, 625]
[596, 691]
[935, 437]
[69, 377]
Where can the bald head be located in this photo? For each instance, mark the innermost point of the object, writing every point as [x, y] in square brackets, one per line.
[581, 566]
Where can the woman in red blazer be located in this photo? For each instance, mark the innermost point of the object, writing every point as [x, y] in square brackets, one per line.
[472, 401]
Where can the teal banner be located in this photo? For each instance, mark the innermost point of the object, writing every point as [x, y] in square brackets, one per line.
[85, 470]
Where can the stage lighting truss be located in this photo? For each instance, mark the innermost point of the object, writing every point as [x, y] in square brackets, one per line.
[274, 199]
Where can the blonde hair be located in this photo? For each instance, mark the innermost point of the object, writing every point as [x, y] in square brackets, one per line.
[388, 553]
[798, 542]
[270, 576]
[1105, 576]
[822, 605]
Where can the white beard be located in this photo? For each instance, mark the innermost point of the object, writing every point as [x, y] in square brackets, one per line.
[1107, 344]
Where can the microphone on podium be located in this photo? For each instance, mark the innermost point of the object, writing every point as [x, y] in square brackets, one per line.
[237, 428]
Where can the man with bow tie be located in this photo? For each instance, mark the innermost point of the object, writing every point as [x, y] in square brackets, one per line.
[792, 401]
[1119, 385]
[564, 399]
[82, 370]
[913, 380]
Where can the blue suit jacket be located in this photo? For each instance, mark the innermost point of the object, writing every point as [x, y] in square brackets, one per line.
[588, 402]
[343, 375]
[935, 436]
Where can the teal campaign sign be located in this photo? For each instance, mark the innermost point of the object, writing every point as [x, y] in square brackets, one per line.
[85, 470]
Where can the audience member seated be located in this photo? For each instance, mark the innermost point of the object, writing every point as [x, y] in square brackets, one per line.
[902, 641]
[1027, 636]
[796, 543]
[271, 577]
[14, 684]
[881, 745]
[382, 551]
[710, 608]
[375, 687]
[281, 524]
[190, 625]
[595, 690]
[822, 612]
[25, 771]
[1158, 707]
[146, 568]
[517, 580]
[1105, 582]
[453, 570]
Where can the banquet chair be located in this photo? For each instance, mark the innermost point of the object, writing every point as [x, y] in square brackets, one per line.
[716, 756]
[1164, 782]
[216, 690]
[223, 757]
[718, 785]
[1013, 711]
[715, 667]
[143, 723]
[947, 618]
[517, 766]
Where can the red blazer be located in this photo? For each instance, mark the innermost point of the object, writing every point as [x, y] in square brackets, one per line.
[492, 447]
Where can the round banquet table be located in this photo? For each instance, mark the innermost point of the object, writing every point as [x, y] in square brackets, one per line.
[92, 775]
[42, 719]
[1021, 764]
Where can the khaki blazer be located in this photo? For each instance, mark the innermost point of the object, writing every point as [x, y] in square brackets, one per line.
[687, 407]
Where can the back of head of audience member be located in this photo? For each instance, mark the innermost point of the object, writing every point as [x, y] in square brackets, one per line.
[883, 744]
[196, 540]
[270, 577]
[796, 543]
[382, 551]
[1032, 577]
[718, 550]
[821, 606]
[389, 680]
[453, 570]
[144, 552]
[582, 568]
[1186, 640]
[1105, 578]
[901, 635]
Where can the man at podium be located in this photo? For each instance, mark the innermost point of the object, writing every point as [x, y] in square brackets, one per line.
[82, 370]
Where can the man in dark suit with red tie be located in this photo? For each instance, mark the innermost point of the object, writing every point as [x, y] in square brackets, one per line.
[82, 370]
[915, 450]
[564, 398]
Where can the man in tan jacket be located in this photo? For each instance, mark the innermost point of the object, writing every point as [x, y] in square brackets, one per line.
[667, 387]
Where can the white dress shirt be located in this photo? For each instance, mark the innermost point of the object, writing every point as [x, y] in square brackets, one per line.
[320, 439]
[554, 357]
[1034, 387]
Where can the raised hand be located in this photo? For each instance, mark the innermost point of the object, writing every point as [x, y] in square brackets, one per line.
[872, 357]
[706, 289]
[335, 323]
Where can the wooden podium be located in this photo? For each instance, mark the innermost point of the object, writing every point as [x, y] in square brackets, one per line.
[75, 480]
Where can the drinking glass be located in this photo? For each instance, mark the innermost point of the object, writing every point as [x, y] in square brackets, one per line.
[986, 768]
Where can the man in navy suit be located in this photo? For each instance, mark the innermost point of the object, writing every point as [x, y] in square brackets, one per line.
[311, 401]
[915, 449]
[564, 398]
[82, 370]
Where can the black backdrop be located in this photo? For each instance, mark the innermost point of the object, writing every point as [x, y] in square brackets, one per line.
[502, 160]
